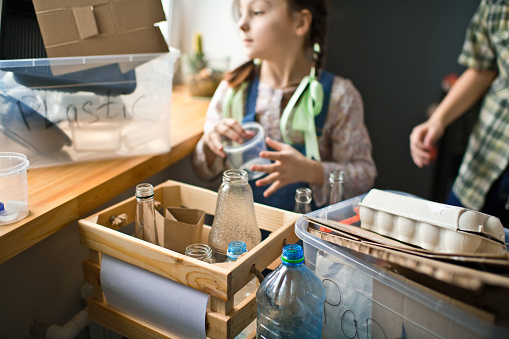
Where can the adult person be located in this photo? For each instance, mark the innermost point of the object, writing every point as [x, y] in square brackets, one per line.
[483, 179]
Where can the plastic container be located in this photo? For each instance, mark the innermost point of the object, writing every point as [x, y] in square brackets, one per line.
[119, 106]
[365, 301]
[245, 155]
[290, 299]
[13, 187]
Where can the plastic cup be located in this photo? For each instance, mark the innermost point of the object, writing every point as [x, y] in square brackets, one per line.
[243, 156]
[13, 187]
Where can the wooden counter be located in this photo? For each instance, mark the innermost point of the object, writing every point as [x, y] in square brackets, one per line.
[60, 195]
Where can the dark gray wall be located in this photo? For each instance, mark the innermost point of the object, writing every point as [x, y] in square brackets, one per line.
[396, 52]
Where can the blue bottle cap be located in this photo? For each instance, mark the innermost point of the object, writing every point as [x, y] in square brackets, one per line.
[236, 248]
[292, 254]
[1, 207]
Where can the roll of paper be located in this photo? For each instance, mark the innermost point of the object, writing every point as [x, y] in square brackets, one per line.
[164, 303]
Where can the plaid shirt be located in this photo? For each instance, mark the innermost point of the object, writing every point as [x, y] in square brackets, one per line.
[486, 47]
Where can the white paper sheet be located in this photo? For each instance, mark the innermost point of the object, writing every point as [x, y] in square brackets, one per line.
[167, 304]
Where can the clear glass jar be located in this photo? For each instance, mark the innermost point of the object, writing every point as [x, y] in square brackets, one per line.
[235, 217]
[303, 198]
[336, 186]
[145, 222]
[201, 252]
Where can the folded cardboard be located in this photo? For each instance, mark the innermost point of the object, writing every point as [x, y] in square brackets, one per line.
[182, 227]
[100, 27]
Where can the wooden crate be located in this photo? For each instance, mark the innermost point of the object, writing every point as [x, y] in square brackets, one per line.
[220, 281]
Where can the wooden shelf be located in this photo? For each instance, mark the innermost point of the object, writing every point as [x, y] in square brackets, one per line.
[59, 195]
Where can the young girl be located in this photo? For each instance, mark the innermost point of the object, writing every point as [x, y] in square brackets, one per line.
[314, 124]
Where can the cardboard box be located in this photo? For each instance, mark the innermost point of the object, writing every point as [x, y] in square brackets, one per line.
[221, 280]
[100, 27]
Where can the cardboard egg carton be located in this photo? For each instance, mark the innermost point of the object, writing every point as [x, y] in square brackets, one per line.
[430, 225]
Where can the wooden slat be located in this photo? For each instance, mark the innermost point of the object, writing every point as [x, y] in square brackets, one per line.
[169, 264]
[123, 323]
[243, 315]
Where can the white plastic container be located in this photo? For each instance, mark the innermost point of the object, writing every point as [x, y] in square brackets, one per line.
[364, 301]
[13, 187]
[118, 107]
[245, 155]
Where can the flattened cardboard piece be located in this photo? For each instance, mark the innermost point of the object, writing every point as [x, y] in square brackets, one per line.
[182, 227]
[451, 274]
[358, 233]
[72, 28]
[370, 237]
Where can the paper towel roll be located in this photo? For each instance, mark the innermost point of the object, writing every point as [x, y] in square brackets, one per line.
[169, 305]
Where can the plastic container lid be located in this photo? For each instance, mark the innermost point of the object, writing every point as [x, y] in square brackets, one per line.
[19, 167]
[258, 138]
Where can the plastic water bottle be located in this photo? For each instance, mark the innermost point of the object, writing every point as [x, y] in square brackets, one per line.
[290, 299]
[237, 248]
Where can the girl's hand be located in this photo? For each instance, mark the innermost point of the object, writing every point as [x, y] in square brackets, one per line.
[423, 141]
[225, 128]
[289, 166]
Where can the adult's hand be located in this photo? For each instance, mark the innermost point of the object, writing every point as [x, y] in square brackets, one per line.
[423, 141]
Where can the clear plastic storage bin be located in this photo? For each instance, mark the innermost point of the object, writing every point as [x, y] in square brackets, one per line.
[365, 301]
[97, 107]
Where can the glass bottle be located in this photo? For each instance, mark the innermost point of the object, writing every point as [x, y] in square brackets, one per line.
[236, 249]
[201, 252]
[145, 225]
[234, 218]
[290, 299]
[337, 186]
[303, 198]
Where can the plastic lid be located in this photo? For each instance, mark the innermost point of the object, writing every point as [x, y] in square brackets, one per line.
[18, 163]
[292, 255]
[235, 249]
[247, 144]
